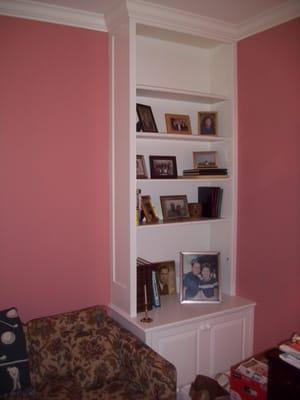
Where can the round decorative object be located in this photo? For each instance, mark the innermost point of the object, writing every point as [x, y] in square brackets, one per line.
[195, 210]
[8, 337]
[12, 313]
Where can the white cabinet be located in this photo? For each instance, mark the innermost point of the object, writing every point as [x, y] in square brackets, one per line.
[168, 61]
[197, 339]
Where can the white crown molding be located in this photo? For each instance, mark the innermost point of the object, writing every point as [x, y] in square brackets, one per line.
[268, 19]
[153, 15]
[178, 20]
[52, 13]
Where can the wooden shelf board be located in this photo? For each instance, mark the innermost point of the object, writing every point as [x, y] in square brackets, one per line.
[166, 93]
[184, 222]
[179, 137]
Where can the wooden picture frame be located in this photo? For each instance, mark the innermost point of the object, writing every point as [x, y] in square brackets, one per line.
[205, 159]
[141, 170]
[163, 167]
[174, 208]
[146, 118]
[200, 280]
[165, 272]
[178, 123]
[148, 210]
[207, 123]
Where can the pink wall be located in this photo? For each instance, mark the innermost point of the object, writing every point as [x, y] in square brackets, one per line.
[269, 180]
[53, 167]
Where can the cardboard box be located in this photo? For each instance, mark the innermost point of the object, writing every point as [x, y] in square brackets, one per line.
[249, 379]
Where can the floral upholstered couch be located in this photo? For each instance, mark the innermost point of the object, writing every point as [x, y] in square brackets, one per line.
[85, 355]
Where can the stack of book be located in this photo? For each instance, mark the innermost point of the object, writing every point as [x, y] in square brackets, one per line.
[146, 276]
[291, 351]
[211, 200]
[196, 172]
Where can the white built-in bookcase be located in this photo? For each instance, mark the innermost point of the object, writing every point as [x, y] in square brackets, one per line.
[173, 71]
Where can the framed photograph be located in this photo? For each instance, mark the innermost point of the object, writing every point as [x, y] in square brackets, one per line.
[200, 277]
[163, 167]
[178, 123]
[174, 208]
[146, 118]
[148, 210]
[207, 123]
[205, 159]
[141, 171]
[165, 277]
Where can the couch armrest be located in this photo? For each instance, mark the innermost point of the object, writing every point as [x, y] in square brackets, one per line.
[148, 372]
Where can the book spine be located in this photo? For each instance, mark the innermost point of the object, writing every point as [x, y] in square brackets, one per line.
[156, 299]
[220, 198]
[138, 206]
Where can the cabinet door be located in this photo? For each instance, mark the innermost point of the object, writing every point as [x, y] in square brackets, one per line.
[227, 343]
[179, 346]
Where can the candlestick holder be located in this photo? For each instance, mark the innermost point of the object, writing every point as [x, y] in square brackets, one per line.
[146, 319]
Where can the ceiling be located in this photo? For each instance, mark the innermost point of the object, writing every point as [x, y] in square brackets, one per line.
[230, 11]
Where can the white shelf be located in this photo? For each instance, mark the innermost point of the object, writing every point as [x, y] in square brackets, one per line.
[178, 94]
[172, 312]
[161, 224]
[179, 137]
[195, 180]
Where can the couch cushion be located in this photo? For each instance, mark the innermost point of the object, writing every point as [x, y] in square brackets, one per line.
[49, 341]
[14, 369]
[95, 356]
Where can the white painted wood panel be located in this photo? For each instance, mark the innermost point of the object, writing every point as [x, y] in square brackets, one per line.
[179, 347]
[162, 63]
[122, 169]
[227, 338]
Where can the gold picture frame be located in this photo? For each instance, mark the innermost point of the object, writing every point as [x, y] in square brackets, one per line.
[178, 124]
[207, 123]
[205, 159]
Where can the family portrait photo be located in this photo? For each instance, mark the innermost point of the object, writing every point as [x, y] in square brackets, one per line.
[166, 277]
[200, 277]
[163, 167]
[174, 207]
[178, 123]
[207, 123]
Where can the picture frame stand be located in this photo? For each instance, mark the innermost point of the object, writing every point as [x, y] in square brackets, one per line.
[146, 319]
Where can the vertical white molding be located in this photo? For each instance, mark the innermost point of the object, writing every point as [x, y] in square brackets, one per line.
[132, 125]
[235, 169]
[112, 156]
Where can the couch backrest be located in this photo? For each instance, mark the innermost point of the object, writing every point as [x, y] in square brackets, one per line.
[49, 338]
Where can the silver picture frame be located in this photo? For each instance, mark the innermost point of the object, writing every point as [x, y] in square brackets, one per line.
[200, 277]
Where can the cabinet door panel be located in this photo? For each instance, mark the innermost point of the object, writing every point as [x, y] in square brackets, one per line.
[180, 350]
[227, 344]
